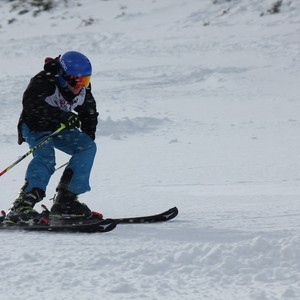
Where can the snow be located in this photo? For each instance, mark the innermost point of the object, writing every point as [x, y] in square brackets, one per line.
[199, 107]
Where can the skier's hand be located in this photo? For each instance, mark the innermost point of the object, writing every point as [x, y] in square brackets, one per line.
[71, 121]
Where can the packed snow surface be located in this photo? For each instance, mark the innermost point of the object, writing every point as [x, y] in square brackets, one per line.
[199, 108]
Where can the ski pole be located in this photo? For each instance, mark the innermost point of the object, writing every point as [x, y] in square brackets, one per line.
[61, 166]
[62, 126]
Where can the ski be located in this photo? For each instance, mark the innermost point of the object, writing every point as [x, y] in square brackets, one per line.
[105, 225]
[83, 225]
[161, 217]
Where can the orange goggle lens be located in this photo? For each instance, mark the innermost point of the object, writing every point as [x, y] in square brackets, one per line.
[79, 81]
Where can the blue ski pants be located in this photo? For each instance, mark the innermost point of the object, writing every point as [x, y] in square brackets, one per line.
[77, 144]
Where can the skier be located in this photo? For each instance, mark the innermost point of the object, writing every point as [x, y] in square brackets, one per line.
[60, 94]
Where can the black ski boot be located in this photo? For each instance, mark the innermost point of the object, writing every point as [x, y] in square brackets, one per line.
[22, 209]
[66, 204]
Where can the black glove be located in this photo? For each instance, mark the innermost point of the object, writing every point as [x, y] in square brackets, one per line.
[71, 120]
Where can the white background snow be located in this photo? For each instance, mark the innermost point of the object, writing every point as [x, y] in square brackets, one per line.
[199, 106]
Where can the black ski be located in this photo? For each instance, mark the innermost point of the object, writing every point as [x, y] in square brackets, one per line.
[83, 225]
[105, 225]
[162, 217]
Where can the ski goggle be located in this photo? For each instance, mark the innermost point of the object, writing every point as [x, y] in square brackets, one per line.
[78, 81]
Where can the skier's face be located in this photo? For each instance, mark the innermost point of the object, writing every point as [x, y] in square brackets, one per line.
[79, 81]
[74, 90]
[76, 83]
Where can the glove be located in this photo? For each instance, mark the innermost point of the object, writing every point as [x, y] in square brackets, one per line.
[71, 121]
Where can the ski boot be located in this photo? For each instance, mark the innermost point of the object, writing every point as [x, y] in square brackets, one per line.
[22, 209]
[66, 205]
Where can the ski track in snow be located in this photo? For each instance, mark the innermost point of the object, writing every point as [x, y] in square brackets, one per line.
[199, 108]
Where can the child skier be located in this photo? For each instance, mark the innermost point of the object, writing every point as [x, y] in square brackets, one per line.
[60, 94]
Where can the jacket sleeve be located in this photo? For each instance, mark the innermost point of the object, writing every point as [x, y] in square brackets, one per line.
[88, 114]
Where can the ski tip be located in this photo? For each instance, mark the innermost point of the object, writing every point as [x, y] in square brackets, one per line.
[161, 217]
[107, 225]
[171, 213]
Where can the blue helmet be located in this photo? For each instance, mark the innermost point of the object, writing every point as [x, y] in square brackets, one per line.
[75, 63]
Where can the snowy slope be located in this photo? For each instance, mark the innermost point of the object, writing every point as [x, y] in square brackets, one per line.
[199, 106]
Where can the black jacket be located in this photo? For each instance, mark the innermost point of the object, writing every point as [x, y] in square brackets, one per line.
[46, 104]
